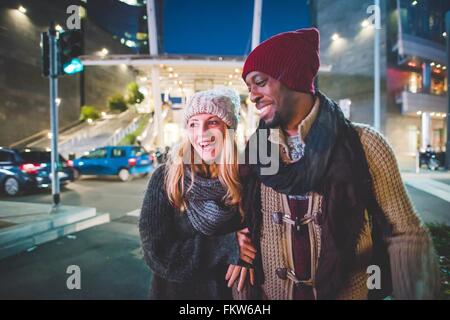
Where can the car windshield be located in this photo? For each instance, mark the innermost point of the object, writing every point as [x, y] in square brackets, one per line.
[38, 156]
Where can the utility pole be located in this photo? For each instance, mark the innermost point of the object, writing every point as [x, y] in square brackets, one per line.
[447, 145]
[53, 82]
[156, 90]
[377, 98]
[256, 39]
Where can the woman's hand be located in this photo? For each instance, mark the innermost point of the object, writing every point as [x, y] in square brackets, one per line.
[247, 251]
[237, 271]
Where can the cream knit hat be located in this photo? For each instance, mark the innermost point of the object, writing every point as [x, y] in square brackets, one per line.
[223, 103]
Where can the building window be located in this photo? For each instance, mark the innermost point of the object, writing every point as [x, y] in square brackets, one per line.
[415, 82]
[438, 86]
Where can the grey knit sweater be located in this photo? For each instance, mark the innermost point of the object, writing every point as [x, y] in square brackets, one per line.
[185, 263]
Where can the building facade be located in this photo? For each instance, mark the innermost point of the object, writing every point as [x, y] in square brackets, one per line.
[413, 68]
[24, 92]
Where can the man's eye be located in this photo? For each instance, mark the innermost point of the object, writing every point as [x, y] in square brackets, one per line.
[260, 83]
[214, 122]
[192, 125]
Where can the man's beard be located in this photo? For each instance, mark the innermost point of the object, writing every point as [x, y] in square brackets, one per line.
[275, 121]
[280, 119]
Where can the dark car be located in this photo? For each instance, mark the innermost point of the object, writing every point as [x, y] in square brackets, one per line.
[29, 169]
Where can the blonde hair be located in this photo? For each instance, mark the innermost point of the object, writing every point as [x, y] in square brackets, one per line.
[226, 170]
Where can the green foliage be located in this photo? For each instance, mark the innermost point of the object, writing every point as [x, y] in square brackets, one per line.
[441, 240]
[133, 93]
[131, 137]
[89, 112]
[117, 102]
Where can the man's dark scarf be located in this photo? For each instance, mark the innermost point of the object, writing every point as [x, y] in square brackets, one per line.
[334, 165]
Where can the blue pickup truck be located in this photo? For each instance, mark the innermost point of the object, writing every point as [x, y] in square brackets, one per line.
[123, 161]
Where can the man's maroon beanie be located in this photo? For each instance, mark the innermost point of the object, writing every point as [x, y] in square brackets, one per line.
[291, 57]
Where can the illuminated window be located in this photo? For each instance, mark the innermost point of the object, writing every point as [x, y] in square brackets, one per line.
[414, 83]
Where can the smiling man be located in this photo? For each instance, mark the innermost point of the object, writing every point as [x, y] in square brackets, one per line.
[337, 207]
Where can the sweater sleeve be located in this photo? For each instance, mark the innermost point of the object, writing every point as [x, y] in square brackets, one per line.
[166, 253]
[414, 264]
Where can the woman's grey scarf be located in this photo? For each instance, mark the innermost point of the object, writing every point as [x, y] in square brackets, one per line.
[204, 200]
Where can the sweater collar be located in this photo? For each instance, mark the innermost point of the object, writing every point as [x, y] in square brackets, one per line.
[277, 135]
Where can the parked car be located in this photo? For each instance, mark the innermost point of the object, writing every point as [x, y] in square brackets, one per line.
[123, 161]
[29, 169]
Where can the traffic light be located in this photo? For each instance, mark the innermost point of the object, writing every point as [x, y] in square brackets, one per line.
[70, 48]
[45, 55]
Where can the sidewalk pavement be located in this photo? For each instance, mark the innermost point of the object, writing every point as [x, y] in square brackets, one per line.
[436, 183]
[23, 226]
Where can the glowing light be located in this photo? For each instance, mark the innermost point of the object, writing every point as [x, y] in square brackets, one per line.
[365, 23]
[22, 9]
[335, 37]
[104, 52]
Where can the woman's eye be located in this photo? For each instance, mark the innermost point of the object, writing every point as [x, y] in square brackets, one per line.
[192, 125]
[214, 122]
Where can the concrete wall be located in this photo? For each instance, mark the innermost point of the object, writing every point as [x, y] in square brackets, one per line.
[24, 102]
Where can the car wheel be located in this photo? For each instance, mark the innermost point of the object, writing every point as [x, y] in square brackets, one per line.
[11, 186]
[124, 175]
[76, 174]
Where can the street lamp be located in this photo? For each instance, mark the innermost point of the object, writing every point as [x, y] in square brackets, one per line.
[447, 145]
[376, 74]
[22, 9]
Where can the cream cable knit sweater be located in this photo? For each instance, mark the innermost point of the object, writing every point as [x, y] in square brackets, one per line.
[414, 266]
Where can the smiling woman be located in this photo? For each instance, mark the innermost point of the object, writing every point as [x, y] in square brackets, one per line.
[190, 213]
[206, 134]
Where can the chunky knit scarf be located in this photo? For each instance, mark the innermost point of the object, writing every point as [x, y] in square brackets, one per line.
[205, 207]
[335, 166]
